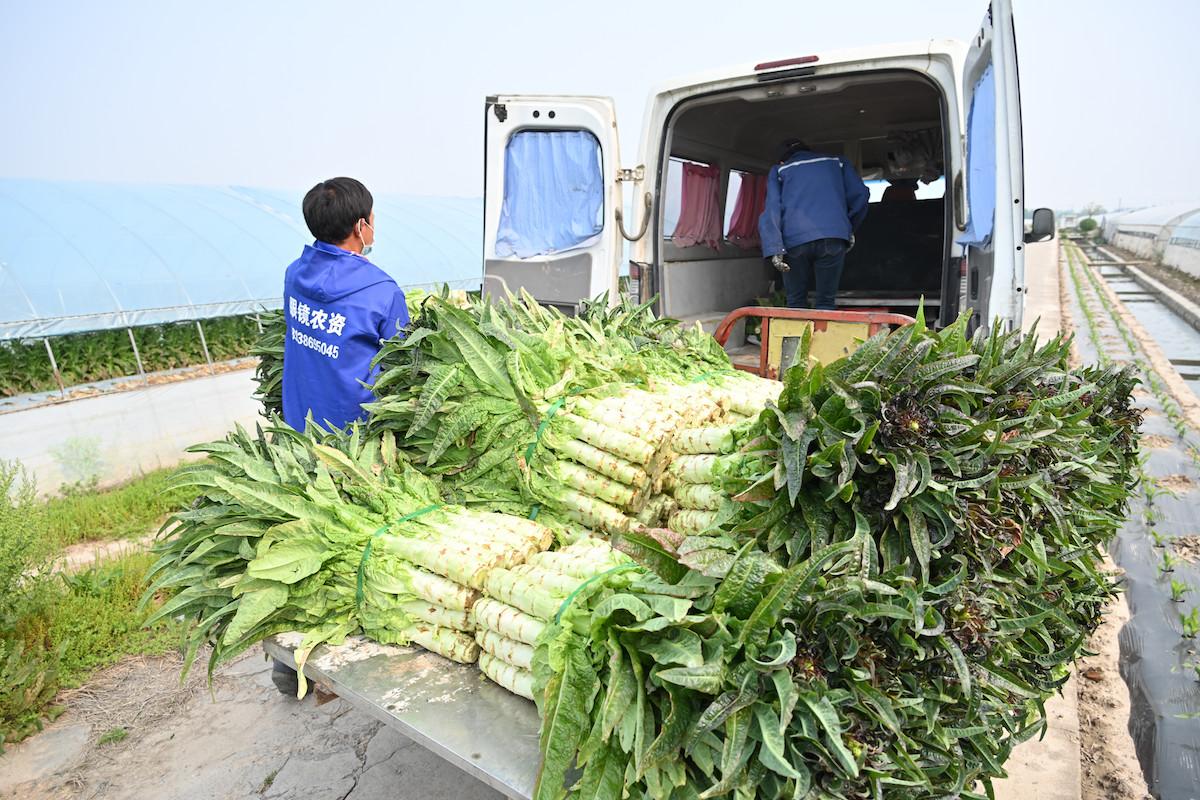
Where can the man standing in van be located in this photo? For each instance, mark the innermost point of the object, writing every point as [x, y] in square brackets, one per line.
[815, 203]
[338, 306]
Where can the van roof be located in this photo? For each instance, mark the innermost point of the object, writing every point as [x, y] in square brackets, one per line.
[953, 48]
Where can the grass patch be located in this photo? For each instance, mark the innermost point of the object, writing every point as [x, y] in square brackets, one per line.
[113, 736]
[91, 618]
[131, 509]
[68, 626]
[57, 628]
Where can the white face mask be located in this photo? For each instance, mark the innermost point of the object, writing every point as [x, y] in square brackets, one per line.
[366, 251]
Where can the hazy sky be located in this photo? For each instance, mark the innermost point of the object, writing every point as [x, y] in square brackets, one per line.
[274, 93]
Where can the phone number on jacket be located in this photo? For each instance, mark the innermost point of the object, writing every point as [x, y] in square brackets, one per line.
[313, 343]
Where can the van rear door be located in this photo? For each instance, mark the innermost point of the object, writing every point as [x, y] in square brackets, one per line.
[995, 172]
[550, 197]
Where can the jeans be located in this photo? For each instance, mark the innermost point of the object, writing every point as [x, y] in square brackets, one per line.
[821, 260]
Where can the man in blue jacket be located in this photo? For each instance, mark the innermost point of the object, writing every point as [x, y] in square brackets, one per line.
[338, 306]
[815, 203]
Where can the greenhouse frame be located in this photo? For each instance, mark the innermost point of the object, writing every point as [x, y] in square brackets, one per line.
[81, 258]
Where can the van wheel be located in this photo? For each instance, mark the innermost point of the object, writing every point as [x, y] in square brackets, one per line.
[285, 679]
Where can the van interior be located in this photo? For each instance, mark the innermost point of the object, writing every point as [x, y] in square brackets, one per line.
[889, 125]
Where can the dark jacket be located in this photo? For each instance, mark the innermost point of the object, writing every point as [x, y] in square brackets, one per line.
[811, 196]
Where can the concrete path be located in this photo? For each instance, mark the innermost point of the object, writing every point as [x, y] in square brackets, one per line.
[245, 740]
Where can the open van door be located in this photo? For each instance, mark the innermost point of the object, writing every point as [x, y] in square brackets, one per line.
[550, 198]
[994, 239]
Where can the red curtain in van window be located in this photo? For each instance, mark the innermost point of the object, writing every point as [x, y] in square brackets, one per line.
[699, 210]
[751, 197]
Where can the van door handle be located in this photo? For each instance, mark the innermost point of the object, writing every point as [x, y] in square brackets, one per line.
[645, 220]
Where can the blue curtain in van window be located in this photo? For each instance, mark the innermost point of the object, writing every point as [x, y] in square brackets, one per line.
[981, 161]
[553, 193]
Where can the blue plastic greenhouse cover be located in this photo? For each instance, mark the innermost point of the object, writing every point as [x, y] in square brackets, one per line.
[87, 256]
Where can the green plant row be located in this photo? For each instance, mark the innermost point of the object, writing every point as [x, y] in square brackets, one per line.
[1151, 516]
[1152, 381]
[101, 355]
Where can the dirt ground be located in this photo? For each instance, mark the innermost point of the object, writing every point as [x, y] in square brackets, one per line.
[1109, 765]
[240, 740]
[135, 383]
[1187, 548]
[1185, 284]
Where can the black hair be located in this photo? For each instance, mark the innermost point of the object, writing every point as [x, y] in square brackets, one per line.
[791, 147]
[333, 207]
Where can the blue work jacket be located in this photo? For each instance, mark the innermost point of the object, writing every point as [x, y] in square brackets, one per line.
[811, 196]
[338, 306]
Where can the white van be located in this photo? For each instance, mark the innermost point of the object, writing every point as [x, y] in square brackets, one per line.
[943, 112]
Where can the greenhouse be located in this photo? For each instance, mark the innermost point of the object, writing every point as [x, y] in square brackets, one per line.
[1148, 231]
[147, 277]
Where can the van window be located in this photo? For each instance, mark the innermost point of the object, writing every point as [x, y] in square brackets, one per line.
[672, 196]
[924, 191]
[553, 193]
[981, 161]
[745, 199]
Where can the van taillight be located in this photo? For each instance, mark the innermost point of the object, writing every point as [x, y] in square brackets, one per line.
[635, 271]
[787, 62]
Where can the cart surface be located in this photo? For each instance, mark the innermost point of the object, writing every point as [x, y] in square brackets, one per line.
[449, 708]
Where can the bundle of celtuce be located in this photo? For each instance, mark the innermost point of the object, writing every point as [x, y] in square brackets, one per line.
[515, 406]
[913, 561]
[520, 601]
[328, 535]
[703, 456]
[268, 348]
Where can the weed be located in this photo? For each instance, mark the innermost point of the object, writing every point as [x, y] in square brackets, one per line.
[1178, 590]
[64, 627]
[20, 536]
[267, 781]
[112, 736]
[79, 459]
[93, 617]
[28, 683]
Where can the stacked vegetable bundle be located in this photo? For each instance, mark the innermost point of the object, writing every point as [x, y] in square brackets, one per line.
[521, 600]
[327, 535]
[869, 590]
[515, 406]
[268, 348]
[703, 455]
[912, 564]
